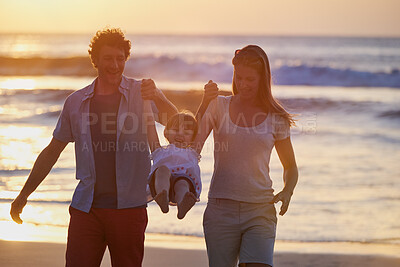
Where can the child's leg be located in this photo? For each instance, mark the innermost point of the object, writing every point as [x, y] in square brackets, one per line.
[161, 184]
[183, 197]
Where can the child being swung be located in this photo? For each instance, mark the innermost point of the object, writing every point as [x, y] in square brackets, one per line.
[175, 174]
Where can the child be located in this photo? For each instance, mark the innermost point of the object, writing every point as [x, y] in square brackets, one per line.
[175, 174]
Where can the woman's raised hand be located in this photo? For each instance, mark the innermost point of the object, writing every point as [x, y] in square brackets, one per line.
[210, 91]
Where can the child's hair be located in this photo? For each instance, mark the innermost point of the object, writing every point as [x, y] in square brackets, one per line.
[186, 118]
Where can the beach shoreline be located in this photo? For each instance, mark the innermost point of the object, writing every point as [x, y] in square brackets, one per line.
[173, 250]
[186, 242]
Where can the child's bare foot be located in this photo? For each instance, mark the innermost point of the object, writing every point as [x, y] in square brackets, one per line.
[186, 204]
[162, 201]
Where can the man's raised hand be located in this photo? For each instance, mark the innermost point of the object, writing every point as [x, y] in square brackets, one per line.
[149, 89]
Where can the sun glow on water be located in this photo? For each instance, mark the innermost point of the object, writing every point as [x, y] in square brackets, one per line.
[15, 232]
[20, 144]
[44, 82]
[40, 223]
[30, 232]
[19, 83]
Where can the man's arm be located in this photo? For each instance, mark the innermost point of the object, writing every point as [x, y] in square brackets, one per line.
[165, 107]
[152, 136]
[43, 165]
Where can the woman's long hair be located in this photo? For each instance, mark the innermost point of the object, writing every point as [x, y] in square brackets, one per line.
[254, 57]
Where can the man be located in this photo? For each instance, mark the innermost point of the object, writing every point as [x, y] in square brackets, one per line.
[104, 120]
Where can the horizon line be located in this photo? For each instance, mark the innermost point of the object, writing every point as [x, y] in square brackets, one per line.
[202, 34]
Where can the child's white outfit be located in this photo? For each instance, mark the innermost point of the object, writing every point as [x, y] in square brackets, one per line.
[183, 164]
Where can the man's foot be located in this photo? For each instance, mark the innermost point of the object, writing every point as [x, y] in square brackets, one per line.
[162, 201]
[186, 204]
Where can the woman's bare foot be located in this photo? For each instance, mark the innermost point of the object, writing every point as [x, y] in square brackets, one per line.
[186, 204]
[162, 201]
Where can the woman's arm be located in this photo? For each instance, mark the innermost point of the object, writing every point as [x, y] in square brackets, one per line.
[152, 136]
[205, 127]
[285, 152]
[210, 93]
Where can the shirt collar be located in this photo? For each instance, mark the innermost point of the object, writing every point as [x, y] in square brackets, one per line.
[123, 88]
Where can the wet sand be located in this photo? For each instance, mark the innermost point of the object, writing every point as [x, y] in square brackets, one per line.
[188, 251]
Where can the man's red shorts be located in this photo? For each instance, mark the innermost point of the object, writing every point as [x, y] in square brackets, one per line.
[122, 230]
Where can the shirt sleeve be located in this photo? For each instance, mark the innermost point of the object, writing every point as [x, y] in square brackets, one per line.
[281, 127]
[63, 130]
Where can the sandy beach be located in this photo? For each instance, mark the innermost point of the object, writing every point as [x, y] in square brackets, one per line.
[179, 251]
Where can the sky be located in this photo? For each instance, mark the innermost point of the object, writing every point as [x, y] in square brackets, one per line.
[261, 17]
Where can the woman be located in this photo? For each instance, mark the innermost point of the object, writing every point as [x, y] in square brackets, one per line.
[240, 218]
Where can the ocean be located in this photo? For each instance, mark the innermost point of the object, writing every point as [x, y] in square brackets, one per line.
[346, 92]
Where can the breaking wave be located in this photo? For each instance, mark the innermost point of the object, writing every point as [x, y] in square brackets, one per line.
[177, 69]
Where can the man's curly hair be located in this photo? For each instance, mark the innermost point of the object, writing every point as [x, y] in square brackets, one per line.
[109, 36]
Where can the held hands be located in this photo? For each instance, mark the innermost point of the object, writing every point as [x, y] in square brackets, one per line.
[210, 91]
[149, 89]
[285, 197]
[16, 208]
